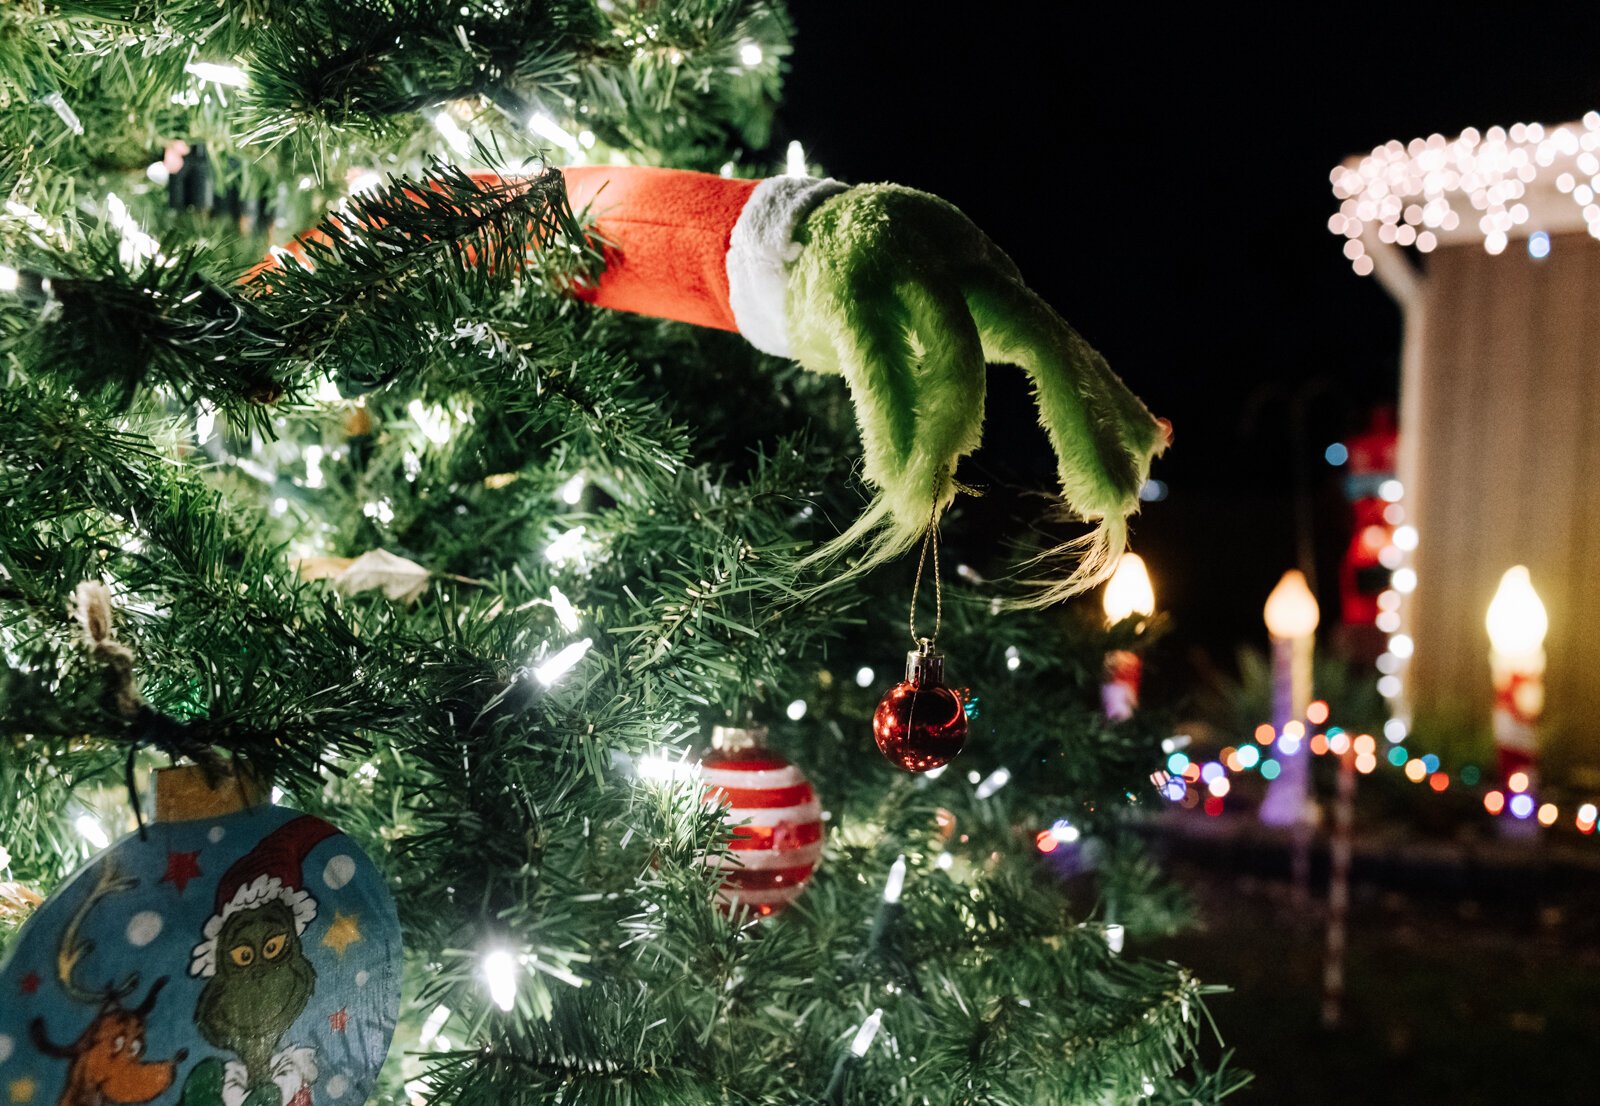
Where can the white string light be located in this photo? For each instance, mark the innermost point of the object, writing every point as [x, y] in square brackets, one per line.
[993, 782]
[500, 973]
[896, 883]
[571, 490]
[1416, 193]
[563, 662]
[435, 1024]
[217, 73]
[566, 613]
[547, 128]
[458, 139]
[90, 829]
[867, 1033]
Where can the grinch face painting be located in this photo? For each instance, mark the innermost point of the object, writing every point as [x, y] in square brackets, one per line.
[249, 958]
[258, 978]
[263, 982]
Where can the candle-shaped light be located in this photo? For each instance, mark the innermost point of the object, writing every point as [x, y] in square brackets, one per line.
[1517, 624]
[1128, 594]
[1292, 615]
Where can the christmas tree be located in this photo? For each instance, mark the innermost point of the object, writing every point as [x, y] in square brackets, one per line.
[474, 569]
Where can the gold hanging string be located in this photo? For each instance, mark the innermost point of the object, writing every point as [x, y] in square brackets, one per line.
[930, 540]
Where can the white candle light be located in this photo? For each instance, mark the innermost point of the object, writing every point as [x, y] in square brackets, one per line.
[1128, 594]
[1517, 624]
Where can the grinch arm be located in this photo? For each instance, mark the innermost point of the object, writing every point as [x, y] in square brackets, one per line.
[903, 295]
[696, 247]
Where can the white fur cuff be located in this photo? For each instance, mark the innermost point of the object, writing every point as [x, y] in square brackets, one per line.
[760, 252]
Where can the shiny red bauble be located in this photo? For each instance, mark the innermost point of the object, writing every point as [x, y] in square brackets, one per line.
[920, 724]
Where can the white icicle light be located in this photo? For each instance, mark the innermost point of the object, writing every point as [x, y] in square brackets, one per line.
[500, 973]
[867, 1033]
[896, 882]
[563, 662]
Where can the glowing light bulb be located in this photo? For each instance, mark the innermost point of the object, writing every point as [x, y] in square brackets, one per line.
[750, 55]
[865, 676]
[571, 490]
[993, 782]
[867, 1033]
[90, 829]
[566, 613]
[563, 662]
[500, 973]
[1291, 610]
[435, 1023]
[9, 279]
[217, 73]
[1516, 622]
[896, 883]
[547, 128]
[1129, 591]
[796, 710]
[660, 767]
[452, 132]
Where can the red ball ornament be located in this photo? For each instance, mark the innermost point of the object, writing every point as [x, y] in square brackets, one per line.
[776, 820]
[920, 723]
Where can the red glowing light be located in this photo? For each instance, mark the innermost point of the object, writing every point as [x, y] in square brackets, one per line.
[1213, 806]
[1439, 781]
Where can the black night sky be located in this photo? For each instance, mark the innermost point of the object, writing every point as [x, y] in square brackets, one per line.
[1163, 181]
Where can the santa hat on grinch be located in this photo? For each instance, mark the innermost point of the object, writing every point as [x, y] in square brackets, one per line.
[270, 872]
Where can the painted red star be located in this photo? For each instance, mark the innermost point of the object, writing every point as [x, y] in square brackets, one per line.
[339, 1019]
[30, 983]
[181, 868]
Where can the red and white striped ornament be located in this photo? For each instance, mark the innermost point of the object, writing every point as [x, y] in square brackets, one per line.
[776, 820]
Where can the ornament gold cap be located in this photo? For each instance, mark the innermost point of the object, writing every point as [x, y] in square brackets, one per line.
[735, 739]
[925, 665]
[183, 793]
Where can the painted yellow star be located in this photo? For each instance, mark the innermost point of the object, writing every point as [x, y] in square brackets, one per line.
[22, 1089]
[344, 932]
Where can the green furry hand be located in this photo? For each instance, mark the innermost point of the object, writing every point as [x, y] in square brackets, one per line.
[901, 294]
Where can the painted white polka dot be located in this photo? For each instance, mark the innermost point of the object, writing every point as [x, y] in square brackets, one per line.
[143, 928]
[215, 834]
[6, 1047]
[362, 976]
[339, 871]
[336, 1086]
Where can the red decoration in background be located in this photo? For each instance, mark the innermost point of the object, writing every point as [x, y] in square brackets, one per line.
[920, 723]
[776, 819]
[1362, 575]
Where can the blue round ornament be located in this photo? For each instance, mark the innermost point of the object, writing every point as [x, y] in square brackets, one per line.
[248, 959]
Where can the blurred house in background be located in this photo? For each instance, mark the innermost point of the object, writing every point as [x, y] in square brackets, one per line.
[1488, 243]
